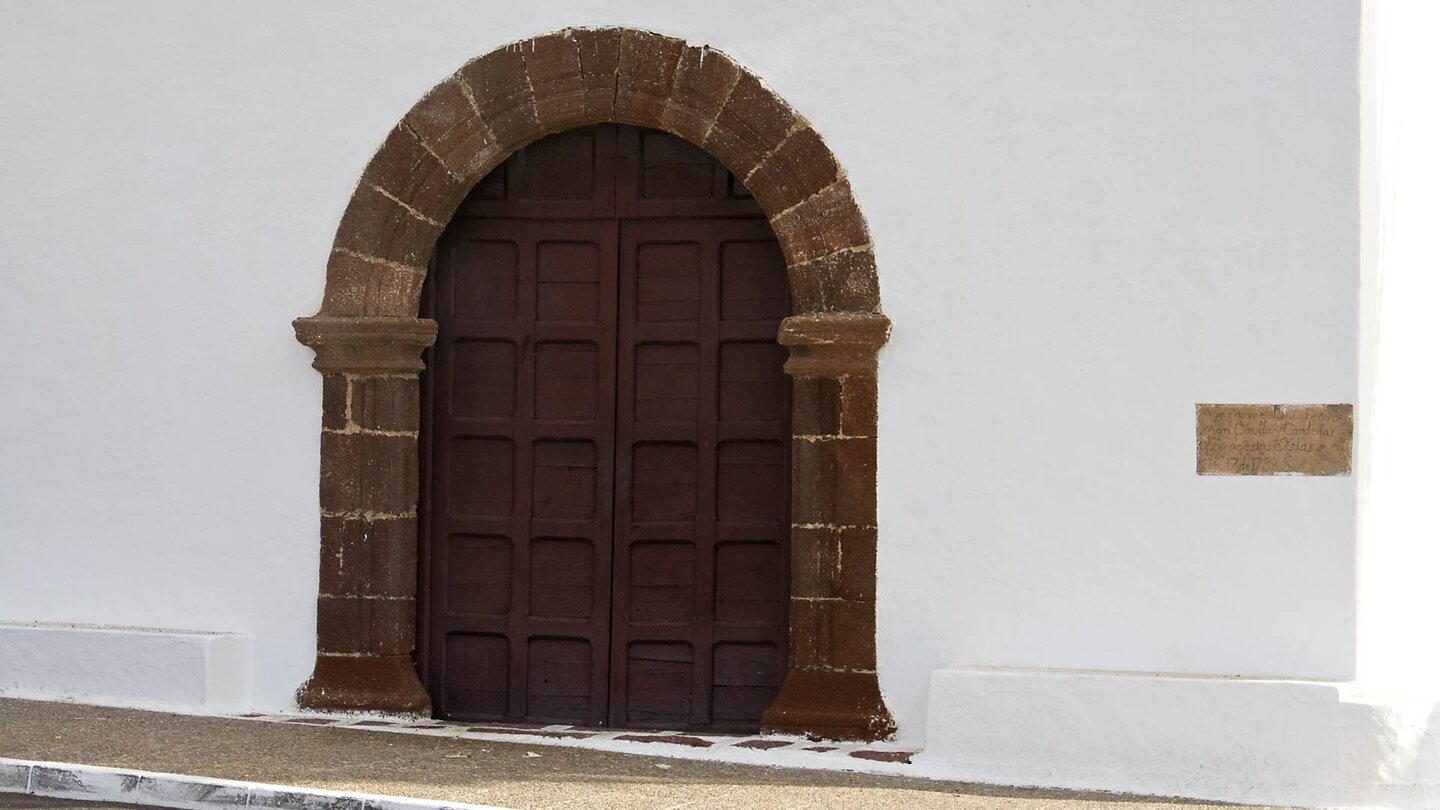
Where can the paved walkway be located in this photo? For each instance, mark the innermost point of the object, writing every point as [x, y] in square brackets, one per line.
[481, 771]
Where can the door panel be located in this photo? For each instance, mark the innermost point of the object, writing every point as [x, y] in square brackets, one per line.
[605, 520]
[701, 497]
[521, 456]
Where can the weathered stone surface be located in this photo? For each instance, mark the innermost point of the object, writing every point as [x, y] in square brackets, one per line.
[830, 704]
[367, 557]
[884, 756]
[857, 564]
[500, 87]
[356, 285]
[553, 64]
[858, 407]
[447, 122]
[599, 69]
[334, 397]
[814, 563]
[846, 281]
[824, 223]
[833, 344]
[832, 634]
[834, 482]
[377, 226]
[364, 683]
[703, 80]
[815, 406]
[362, 472]
[365, 624]
[799, 168]
[1273, 439]
[390, 403]
[366, 345]
[646, 76]
[406, 169]
[753, 123]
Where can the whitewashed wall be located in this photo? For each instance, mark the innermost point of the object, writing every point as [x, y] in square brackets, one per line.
[1089, 216]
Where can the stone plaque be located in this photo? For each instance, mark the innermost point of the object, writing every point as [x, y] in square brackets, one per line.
[1273, 439]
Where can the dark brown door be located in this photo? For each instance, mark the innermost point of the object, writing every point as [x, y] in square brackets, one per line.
[605, 516]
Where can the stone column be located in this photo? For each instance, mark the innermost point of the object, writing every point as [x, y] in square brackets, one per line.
[369, 474]
[831, 689]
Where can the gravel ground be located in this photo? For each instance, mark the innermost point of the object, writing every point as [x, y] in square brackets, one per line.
[476, 771]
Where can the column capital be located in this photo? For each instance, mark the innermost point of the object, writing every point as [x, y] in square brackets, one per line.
[833, 344]
[366, 345]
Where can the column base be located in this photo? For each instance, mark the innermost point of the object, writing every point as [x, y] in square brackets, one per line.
[364, 683]
[831, 705]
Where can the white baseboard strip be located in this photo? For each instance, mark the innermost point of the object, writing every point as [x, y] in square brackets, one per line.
[61, 780]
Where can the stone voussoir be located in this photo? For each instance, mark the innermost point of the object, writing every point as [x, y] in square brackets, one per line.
[500, 87]
[823, 223]
[385, 228]
[406, 168]
[703, 80]
[798, 169]
[447, 122]
[752, 124]
[646, 76]
[552, 63]
[599, 69]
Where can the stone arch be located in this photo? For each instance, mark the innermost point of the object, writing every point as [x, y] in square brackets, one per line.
[368, 341]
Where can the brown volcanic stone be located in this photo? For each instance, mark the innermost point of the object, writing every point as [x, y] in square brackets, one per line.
[364, 683]
[857, 564]
[448, 123]
[814, 563]
[830, 704]
[647, 74]
[753, 123]
[553, 64]
[501, 89]
[826, 222]
[858, 406]
[840, 282]
[703, 80]
[802, 166]
[673, 739]
[838, 487]
[334, 398]
[368, 473]
[355, 285]
[884, 756]
[367, 557]
[763, 745]
[389, 403]
[852, 636]
[363, 624]
[599, 69]
[815, 406]
[406, 169]
[377, 226]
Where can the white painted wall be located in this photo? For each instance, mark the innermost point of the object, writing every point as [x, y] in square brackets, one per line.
[1400, 528]
[1089, 215]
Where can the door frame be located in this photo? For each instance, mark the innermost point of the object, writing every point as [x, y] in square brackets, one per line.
[368, 341]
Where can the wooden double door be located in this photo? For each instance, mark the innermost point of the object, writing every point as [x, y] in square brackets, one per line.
[605, 453]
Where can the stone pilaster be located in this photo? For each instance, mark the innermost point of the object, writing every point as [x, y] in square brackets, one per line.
[831, 689]
[369, 474]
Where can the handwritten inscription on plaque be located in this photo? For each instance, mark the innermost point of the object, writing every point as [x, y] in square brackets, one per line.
[1273, 439]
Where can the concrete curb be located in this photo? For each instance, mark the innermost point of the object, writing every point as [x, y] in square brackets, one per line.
[93, 783]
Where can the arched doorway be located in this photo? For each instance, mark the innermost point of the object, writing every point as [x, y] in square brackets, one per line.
[368, 338]
[604, 510]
